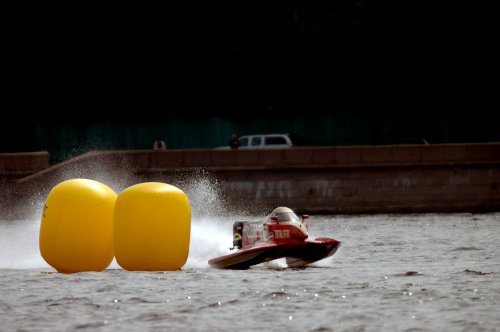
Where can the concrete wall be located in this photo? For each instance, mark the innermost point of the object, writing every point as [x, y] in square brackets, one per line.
[380, 179]
[18, 165]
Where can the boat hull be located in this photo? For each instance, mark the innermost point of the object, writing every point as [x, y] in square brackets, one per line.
[297, 253]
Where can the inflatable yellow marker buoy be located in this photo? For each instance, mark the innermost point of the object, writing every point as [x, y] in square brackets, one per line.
[152, 224]
[76, 232]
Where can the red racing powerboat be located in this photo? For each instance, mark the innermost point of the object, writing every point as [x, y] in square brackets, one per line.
[282, 234]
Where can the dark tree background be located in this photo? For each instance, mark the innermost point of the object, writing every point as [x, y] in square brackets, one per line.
[246, 58]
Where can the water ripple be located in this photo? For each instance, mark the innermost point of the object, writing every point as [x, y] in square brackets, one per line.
[481, 273]
[393, 273]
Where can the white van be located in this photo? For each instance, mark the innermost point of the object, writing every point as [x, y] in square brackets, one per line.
[268, 141]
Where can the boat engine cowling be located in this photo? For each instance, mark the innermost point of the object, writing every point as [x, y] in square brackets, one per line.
[237, 234]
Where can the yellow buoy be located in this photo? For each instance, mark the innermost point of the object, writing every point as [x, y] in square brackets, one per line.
[76, 232]
[152, 225]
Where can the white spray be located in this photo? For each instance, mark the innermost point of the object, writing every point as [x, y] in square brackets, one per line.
[211, 229]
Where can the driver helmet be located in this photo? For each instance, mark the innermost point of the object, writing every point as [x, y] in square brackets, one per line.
[284, 214]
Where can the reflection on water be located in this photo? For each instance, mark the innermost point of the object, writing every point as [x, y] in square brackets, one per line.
[430, 272]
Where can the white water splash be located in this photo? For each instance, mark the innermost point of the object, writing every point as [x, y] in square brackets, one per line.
[211, 229]
[19, 246]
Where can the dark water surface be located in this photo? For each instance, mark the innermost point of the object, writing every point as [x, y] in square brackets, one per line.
[429, 272]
